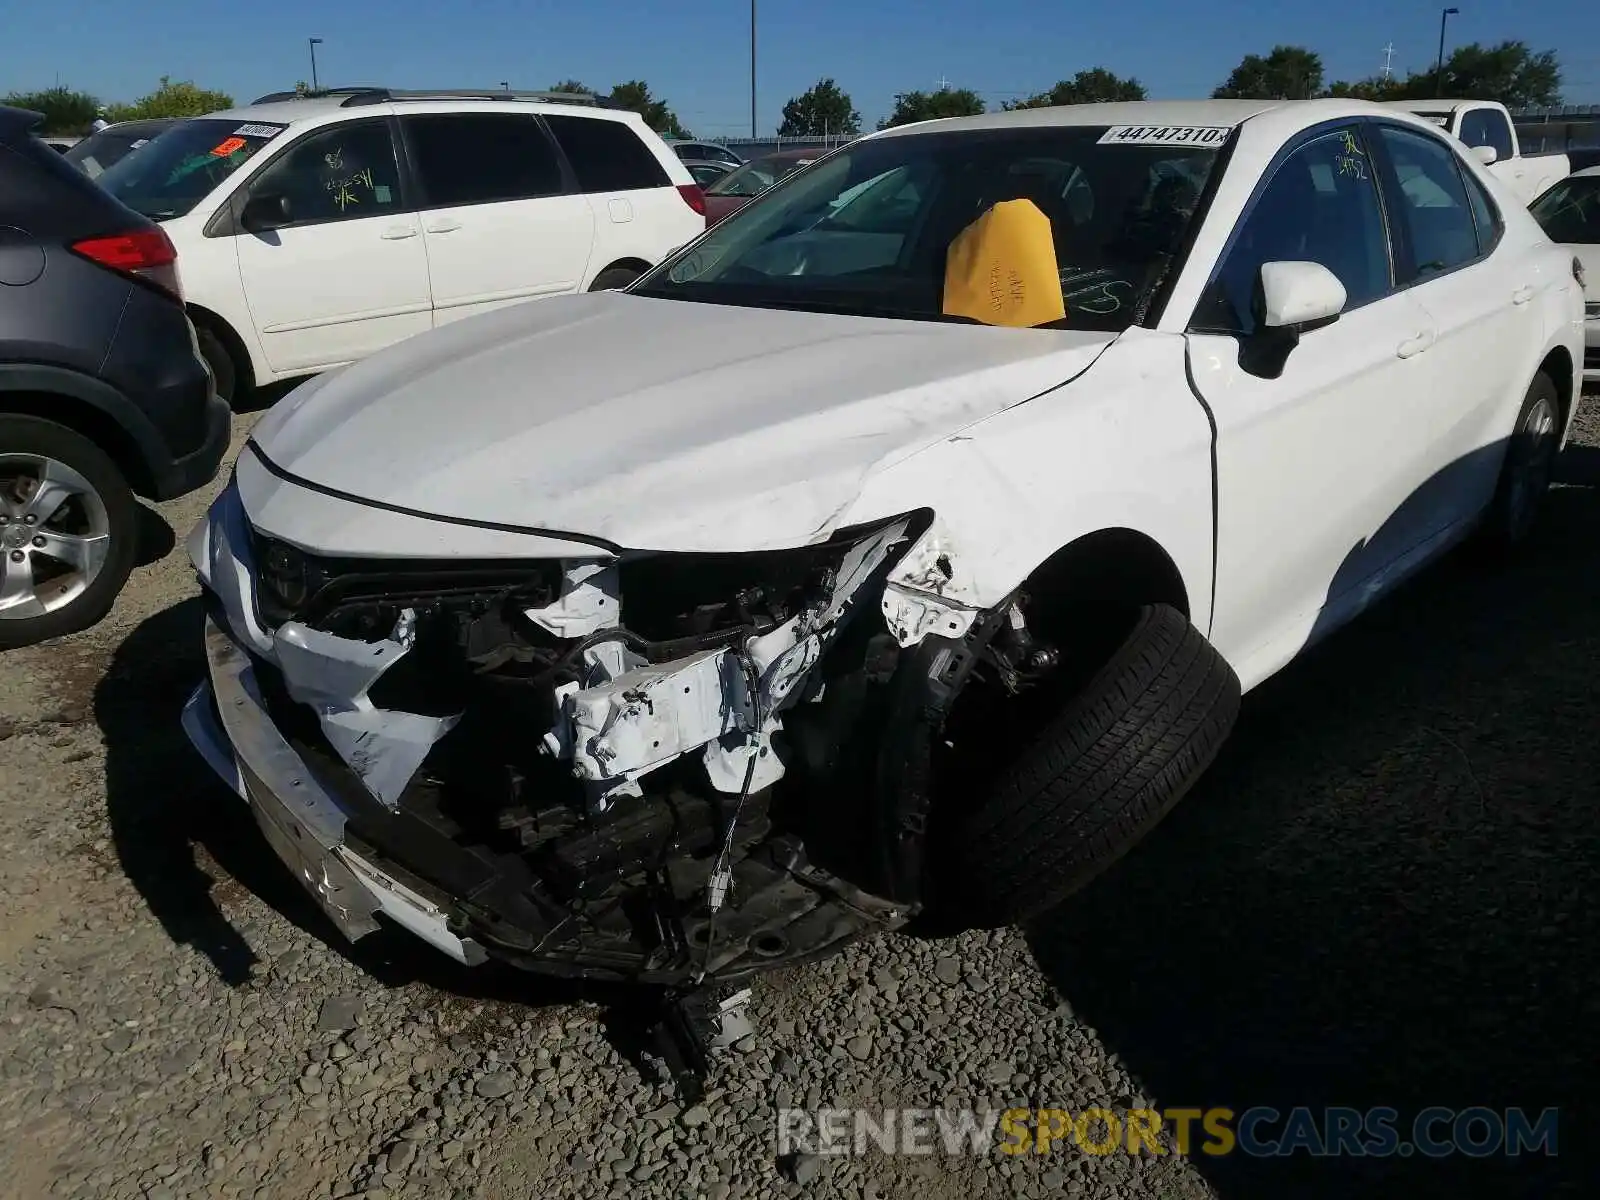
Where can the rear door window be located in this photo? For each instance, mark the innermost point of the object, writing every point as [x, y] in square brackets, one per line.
[607, 156]
[1434, 213]
[482, 158]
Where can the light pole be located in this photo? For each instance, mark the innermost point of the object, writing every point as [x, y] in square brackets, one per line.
[314, 43]
[1438, 70]
[752, 69]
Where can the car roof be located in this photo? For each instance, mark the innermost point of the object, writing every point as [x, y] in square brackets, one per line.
[141, 125]
[1586, 173]
[317, 109]
[1132, 112]
[15, 121]
[788, 155]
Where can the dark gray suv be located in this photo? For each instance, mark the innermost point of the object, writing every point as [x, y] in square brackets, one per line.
[103, 395]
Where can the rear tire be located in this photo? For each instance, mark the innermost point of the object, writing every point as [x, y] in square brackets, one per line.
[70, 582]
[1529, 462]
[613, 278]
[1121, 753]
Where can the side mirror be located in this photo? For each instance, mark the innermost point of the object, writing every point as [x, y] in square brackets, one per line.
[1487, 155]
[266, 212]
[1291, 298]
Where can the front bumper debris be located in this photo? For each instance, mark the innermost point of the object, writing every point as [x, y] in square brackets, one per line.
[226, 719]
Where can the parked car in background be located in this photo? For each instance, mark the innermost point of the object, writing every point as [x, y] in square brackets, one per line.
[1486, 126]
[1570, 214]
[689, 151]
[317, 230]
[845, 566]
[94, 154]
[706, 173]
[735, 189]
[103, 395]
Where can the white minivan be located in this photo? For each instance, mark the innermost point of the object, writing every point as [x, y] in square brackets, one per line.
[313, 231]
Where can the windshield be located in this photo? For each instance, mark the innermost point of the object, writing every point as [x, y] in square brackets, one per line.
[180, 168]
[100, 151]
[867, 231]
[1570, 211]
[756, 177]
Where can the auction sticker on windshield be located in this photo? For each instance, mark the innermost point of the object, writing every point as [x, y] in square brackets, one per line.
[1166, 135]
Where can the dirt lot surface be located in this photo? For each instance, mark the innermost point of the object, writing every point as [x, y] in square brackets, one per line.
[1384, 893]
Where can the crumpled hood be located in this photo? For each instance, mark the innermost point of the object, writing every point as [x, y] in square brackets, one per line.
[655, 424]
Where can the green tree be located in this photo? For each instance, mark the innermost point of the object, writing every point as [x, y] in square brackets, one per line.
[1288, 73]
[635, 95]
[928, 106]
[1093, 86]
[181, 99]
[571, 85]
[820, 109]
[66, 113]
[1375, 87]
[1508, 72]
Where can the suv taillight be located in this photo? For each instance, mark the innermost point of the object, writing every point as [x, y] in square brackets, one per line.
[147, 254]
[693, 197]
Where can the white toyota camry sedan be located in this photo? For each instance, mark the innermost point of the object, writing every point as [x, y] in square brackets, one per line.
[900, 547]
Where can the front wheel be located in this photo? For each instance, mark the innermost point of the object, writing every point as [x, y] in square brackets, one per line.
[1120, 753]
[613, 278]
[1529, 463]
[68, 531]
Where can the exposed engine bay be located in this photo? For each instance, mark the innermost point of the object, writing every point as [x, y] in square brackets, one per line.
[676, 769]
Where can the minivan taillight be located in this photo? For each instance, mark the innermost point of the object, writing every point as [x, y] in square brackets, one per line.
[146, 254]
[693, 197]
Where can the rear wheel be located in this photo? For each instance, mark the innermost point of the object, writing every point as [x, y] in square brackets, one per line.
[1097, 776]
[1529, 463]
[68, 531]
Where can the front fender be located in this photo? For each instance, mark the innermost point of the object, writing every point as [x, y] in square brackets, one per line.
[1126, 445]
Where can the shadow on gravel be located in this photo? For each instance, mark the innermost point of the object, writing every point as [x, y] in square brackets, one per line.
[1385, 891]
[165, 806]
[156, 538]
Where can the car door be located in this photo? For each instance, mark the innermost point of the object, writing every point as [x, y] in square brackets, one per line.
[348, 274]
[499, 220]
[1314, 462]
[1447, 231]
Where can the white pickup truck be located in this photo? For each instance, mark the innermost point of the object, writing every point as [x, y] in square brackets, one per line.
[1487, 127]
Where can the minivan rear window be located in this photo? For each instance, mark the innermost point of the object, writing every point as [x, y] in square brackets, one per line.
[180, 168]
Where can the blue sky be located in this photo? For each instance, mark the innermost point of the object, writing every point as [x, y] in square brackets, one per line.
[695, 54]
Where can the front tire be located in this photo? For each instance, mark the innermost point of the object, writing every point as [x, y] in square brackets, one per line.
[1529, 463]
[69, 530]
[613, 278]
[1118, 756]
[224, 371]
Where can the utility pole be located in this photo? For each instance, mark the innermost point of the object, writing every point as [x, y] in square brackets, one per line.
[314, 43]
[752, 70]
[1388, 61]
[1438, 70]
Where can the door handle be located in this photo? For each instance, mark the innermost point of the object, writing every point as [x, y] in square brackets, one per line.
[1413, 346]
[1523, 294]
[397, 233]
[444, 225]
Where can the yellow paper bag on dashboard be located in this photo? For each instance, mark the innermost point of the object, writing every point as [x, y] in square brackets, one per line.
[1001, 269]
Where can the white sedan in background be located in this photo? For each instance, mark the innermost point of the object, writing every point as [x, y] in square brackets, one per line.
[864, 559]
[1570, 213]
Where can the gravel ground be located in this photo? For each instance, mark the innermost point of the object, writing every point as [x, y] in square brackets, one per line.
[1382, 894]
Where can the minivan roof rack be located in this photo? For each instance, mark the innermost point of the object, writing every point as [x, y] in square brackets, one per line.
[354, 97]
[379, 95]
[279, 97]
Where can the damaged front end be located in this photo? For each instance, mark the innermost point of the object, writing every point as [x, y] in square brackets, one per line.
[653, 767]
